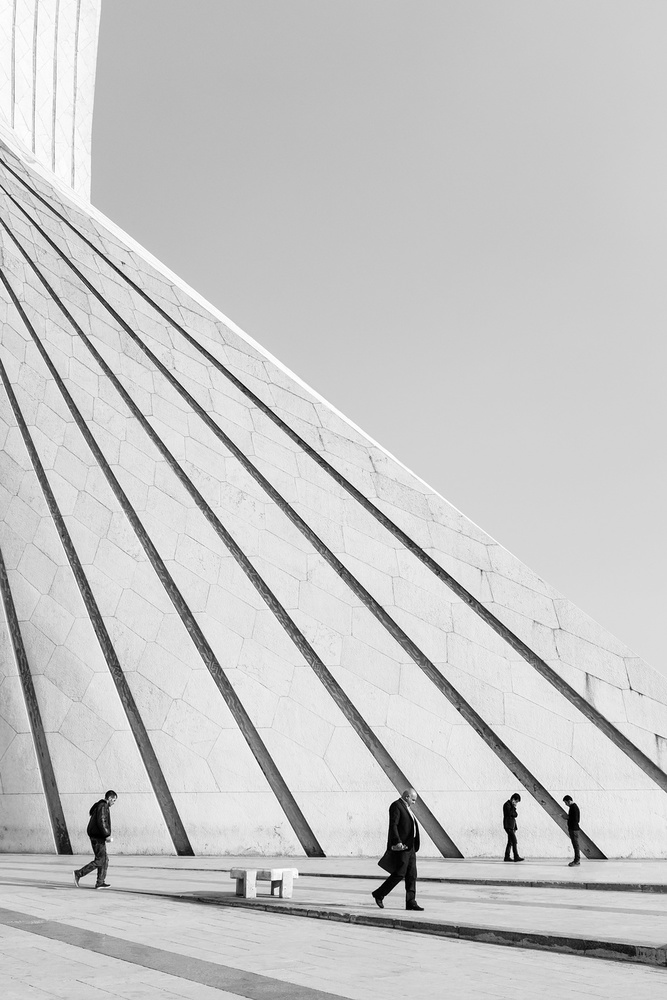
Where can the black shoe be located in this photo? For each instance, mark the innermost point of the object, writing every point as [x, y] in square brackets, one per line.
[103, 885]
[573, 864]
[519, 859]
[76, 879]
[507, 859]
[378, 900]
[414, 905]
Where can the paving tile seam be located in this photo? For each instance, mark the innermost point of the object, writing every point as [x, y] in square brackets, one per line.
[571, 945]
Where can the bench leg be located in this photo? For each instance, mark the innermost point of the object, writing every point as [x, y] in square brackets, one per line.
[286, 885]
[251, 885]
[246, 886]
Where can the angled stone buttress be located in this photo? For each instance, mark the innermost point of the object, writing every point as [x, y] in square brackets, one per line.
[222, 599]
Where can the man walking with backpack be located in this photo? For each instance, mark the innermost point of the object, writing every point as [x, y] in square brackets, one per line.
[99, 831]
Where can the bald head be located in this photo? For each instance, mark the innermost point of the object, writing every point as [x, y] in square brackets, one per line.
[409, 796]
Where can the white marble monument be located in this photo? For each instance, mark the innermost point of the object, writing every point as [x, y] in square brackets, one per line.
[222, 599]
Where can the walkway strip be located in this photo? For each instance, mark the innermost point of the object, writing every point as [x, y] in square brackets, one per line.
[505, 883]
[195, 970]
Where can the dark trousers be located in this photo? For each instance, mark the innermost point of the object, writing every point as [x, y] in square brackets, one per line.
[393, 880]
[574, 837]
[100, 861]
[511, 844]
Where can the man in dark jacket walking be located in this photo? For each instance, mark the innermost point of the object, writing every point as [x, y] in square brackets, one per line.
[400, 858]
[510, 826]
[99, 831]
[573, 817]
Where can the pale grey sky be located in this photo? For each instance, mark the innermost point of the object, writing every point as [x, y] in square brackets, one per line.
[447, 216]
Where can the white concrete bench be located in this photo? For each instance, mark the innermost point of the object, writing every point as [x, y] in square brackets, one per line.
[280, 878]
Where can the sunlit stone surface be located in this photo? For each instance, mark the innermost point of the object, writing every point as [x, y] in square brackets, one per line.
[48, 50]
[218, 596]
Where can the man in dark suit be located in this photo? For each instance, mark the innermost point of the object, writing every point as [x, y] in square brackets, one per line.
[573, 817]
[510, 813]
[400, 858]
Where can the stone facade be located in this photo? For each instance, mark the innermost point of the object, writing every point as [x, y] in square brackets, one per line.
[222, 599]
[48, 51]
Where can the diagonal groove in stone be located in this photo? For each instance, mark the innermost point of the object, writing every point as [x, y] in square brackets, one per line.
[164, 798]
[439, 836]
[467, 712]
[619, 739]
[391, 769]
[279, 787]
[51, 793]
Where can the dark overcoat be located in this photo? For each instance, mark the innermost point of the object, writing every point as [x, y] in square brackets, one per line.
[402, 830]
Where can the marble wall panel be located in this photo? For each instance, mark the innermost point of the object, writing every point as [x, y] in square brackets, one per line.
[25, 822]
[208, 764]
[248, 822]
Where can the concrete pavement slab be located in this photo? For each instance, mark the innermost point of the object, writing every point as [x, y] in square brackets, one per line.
[346, 960]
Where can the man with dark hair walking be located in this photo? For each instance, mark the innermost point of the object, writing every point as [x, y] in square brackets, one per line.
[400, 858]
[510, 813]
[99, 831]
[573, 817]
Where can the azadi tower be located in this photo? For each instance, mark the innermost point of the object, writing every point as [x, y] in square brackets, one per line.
[222, 599]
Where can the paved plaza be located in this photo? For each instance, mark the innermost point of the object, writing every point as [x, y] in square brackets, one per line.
[158, 932]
